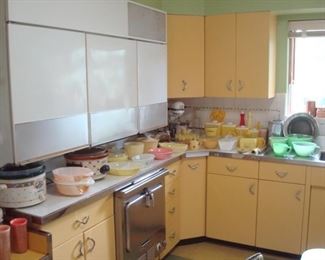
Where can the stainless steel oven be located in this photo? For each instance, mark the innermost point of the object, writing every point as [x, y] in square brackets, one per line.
[140, 218]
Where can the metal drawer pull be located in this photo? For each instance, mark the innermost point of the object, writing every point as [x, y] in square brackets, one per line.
[172, 192]
[252, 189]
[80, 247]
[173, 173]
[228, 85]
[92, 245]
[172, 211]
[184, 83]
[298, 195]
[193, 166]
[83, 221]
[231, 168]
[281, 174]
[241, 85]
[172, 235]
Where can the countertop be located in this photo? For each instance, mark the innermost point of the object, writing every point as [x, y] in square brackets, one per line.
[56, 204]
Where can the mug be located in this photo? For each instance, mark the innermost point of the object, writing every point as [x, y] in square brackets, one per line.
[194, 144]
[281, 149]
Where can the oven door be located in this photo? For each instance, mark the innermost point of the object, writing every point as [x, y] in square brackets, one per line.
[144, 218]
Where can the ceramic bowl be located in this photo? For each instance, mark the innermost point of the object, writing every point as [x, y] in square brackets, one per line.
[124, 168]
[303, 148]
[278, 139]
[227, 143]
[161, 153]
[76, 188]
[71, 174]
[299, 137]
[144, 159]
[281, 149]
[176, 147]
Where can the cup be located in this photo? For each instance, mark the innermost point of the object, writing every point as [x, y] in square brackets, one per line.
[19, 242]
[194, 144]
[281, 149]
[4, 242]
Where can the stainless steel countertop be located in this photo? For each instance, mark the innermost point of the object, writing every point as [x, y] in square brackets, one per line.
[55, 204]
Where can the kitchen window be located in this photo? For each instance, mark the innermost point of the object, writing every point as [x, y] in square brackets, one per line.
[306, 65]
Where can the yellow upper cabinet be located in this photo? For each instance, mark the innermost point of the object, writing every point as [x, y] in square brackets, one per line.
[240, 55]
[185, 56]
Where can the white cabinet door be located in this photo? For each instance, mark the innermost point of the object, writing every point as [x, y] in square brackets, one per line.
[105, 16]
[47, 73]
[112, 88]
[152, 73]
[112, 73]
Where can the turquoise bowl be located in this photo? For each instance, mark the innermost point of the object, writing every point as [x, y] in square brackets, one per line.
[299, 137]
[281, 149]
[277, 139]
[304, 148]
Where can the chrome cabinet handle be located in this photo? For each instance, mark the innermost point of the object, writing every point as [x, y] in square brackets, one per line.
[229, 85]
[172, 235]
[298, 195]
[231, 168]
[252, 189]
[241, 85]
[172, 211]
[173, 173]
[83, 221]
[92, 244]
[172, 192]
[79, 245]
[184, 83]
[281, 174]
[193, 166]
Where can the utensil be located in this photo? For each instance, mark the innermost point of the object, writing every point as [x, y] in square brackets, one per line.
[301, 123]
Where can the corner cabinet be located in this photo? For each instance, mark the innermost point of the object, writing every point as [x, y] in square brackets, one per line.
[185, 56]
[280, 207]
[48, 91]
[192, 197]
[232, 187]
[240, 55]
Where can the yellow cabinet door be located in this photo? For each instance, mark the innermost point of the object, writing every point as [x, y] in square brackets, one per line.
[192, 198]
[185, 56]
[100, 241]
[279, 216]
[231, 208]
[255, 51]
[220, 55]
[72, 249]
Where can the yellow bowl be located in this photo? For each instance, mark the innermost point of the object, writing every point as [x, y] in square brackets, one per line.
[124, 168]
[210, 143]
[176, 147]
[120, 157]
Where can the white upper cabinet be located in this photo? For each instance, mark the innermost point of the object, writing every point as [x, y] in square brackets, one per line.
[112, 87]
[152, 73]
[146, 23]
[47, 73]
[104, 16]
[48, 91]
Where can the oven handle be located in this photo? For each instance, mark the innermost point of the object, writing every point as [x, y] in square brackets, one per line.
[128, 205]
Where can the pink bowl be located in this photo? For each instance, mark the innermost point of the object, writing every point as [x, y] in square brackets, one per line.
[161, 153]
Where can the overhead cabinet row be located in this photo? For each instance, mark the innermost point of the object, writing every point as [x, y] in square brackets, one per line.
[58, 78]
[229, 55]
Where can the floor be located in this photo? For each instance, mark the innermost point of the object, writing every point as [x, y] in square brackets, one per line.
[213, 251]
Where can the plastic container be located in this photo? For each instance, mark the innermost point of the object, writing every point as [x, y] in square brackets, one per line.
[74, 188]
[72, 174]
[5, 242]
[19, 239]
[227, 143]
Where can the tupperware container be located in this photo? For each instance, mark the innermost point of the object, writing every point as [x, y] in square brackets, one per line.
[71, 174]
[74, 188]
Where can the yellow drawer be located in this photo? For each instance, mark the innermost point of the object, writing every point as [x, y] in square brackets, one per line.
[74, 223]
[171, 191]
[317, 176]
[173, 172]
[282, 172]
[233, 167]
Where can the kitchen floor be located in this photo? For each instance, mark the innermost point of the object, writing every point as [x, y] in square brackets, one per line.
[213, 251]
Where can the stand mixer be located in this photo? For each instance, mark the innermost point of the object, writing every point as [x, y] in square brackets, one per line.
[175, 111]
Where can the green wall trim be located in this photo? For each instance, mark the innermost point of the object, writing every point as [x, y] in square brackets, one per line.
[153, 3]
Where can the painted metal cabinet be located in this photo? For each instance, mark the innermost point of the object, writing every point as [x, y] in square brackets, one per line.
[185, 56]
[48, 90]
[112, 88]
[240, 55]
[105, 16]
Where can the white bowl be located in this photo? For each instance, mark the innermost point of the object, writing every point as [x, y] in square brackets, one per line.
[227, 143]
[145, 159]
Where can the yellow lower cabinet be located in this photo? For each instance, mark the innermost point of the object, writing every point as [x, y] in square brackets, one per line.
[70, 250]
[280, 216]
[100, 241]
[231, 208]
[192, 197]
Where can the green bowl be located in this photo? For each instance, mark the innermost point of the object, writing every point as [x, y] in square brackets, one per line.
[299, 137]
[304, 148]
[278, 139]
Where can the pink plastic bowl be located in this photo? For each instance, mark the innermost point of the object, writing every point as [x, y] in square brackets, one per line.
[161, 153]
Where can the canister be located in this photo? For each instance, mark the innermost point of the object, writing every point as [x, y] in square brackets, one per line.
[228, 129]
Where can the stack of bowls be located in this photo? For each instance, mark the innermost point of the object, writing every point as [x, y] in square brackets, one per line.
[133, 148]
